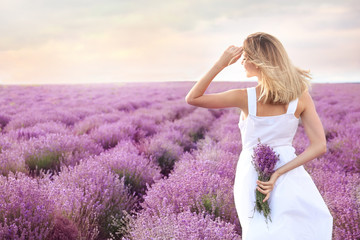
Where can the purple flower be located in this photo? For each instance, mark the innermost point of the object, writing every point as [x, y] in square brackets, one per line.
[126, 161]
[197, 147]
[26, 212]
[264, 161]
[90, 195]
[166, 224]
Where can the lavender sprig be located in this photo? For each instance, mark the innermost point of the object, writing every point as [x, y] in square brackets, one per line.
[264, 161]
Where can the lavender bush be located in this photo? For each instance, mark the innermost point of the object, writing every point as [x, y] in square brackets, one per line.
[225, 132]
[209, 157]
[91, 195]
[126, 161]
[166, 224]
[26, 212]
[167, 146]
[39, 129]
[52, 151]
[4, 120]
[164, 149]
[153, 154]
[199, 191]
[11, 159]
[206, 177]
[91, 122]
[108, 135]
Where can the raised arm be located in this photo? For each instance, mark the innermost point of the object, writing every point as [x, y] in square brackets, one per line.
[315, 132]
[230, 98]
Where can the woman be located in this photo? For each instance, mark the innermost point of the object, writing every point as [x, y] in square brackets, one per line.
[271, 111]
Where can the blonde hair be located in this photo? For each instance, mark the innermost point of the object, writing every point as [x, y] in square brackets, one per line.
[281, 82]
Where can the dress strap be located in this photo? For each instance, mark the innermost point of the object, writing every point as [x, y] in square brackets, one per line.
[251, 92]
[292, 106]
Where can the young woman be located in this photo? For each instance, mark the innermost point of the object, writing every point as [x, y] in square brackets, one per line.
[271, 111]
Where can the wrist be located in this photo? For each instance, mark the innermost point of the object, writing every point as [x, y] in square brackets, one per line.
[219, 65]
[277, 173]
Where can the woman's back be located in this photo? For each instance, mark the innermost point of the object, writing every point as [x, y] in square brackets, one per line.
[269, 109]
[274, 130]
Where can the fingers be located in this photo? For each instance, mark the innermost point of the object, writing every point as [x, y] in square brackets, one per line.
[263, 190]
[265, 187]
[235, 49]
[265, 184]
[267, 197]
[258, 181]
[231, 55]
[234, 59]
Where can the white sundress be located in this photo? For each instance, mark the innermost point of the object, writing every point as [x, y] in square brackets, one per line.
[298, 211]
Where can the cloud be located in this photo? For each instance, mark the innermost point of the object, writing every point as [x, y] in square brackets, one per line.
[92, 40]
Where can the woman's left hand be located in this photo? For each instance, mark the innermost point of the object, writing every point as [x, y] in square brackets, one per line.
[267, 187]
[230, 55]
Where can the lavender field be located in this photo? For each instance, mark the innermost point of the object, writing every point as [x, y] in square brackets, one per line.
[135, 161]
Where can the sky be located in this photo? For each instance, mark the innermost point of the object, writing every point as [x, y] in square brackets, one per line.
[91, 41]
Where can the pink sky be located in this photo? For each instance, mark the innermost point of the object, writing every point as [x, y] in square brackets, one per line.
[45, 42]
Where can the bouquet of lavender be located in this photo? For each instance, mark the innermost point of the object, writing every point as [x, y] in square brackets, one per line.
[264, 160]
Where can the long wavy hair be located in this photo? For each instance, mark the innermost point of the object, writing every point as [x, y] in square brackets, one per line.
[280, 81]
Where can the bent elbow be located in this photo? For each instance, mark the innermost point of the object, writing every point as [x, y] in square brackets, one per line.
[189, 100]
[323, 148]
[318, 149]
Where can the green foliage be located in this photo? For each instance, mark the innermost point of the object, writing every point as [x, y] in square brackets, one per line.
[166, 162]
[210, 205]
[132, 180]
[195, 136]
[45, 160]
[110, 143]
[261, 206]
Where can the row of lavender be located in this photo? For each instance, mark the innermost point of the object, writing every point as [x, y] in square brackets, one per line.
[196, 200]
[98, 165]
[102, 161]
